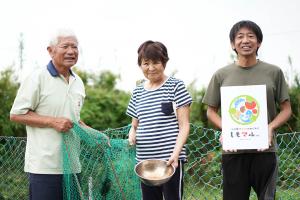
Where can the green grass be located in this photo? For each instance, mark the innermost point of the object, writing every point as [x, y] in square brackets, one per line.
[191, 192]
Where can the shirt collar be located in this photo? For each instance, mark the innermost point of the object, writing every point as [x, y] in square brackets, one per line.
[52, 70]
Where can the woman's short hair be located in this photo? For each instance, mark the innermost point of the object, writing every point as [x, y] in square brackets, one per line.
[155, 51]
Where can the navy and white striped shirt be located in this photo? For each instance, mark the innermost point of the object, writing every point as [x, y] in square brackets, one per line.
[157, 131]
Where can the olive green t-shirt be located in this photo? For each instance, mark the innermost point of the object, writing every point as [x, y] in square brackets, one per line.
[261, 73]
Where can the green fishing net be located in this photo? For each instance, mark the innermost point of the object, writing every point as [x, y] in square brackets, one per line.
[98, 168]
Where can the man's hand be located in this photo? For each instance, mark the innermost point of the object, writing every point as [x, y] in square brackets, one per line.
[213, 116]
[83, 124]
[221, 139]
[270, 138]
[226, 150]
[61, 124]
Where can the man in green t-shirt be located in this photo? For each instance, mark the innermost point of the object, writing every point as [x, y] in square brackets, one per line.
[256, 168]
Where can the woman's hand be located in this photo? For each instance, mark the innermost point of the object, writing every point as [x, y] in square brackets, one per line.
[132, 136]
[173, 160]
[132, 131]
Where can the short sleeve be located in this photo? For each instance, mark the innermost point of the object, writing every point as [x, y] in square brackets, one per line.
[282, 88]
[212, 96]
[131, 109]
[181, 97]
[27, 96]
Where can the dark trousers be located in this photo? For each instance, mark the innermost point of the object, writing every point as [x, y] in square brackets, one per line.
[243, 171]
[45, 187]
[50, 186]
[172, 190]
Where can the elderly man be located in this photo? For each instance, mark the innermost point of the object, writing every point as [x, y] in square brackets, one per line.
[47, 102]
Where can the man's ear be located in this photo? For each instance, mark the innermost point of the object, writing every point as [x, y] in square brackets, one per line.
[232, 46]
[50, 50]
[258, 45]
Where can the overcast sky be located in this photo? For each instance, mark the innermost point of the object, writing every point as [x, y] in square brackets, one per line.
[110, 31]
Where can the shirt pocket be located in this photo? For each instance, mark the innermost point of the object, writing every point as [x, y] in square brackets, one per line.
[77, 100]
[167, 108]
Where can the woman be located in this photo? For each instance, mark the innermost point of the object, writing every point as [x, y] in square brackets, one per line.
[160, 119]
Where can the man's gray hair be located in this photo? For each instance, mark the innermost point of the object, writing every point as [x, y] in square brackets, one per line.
[61, 33]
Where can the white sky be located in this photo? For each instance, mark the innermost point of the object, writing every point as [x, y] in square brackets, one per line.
[110, 31]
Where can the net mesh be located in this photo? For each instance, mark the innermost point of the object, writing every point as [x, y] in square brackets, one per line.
[107, 172]
[107, 166]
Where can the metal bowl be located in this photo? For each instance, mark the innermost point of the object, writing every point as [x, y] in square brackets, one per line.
[154, 172]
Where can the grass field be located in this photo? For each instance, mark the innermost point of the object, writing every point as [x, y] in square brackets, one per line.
[204, 193]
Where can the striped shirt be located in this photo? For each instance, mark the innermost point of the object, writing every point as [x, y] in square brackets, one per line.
[158, 129]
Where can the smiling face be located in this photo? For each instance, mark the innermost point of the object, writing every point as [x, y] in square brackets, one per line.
[245, 43]
[65, 53]
[153, 70]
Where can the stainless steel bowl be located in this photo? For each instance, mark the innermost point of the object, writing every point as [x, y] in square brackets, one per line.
[154, 172]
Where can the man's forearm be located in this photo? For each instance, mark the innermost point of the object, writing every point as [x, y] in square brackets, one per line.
[283, 115]
[213, 117]
[32, 119]
[60, 124]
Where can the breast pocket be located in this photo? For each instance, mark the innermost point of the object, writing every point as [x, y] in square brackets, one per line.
[77, 100]
[167, 108]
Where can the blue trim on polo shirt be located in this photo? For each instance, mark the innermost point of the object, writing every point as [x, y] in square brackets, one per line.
[52, 70]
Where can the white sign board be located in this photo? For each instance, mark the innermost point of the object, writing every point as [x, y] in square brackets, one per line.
[244, 117]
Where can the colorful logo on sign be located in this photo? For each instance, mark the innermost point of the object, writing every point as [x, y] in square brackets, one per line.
[244, 110]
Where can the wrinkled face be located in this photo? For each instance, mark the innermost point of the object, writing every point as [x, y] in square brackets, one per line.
[65, 53]
[245, 42]
[152, 70]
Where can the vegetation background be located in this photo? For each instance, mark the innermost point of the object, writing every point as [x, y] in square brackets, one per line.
[105, 108]
[105, 105]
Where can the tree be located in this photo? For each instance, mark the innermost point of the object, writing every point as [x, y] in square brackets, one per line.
[293, 125]
[198, 109]
[8, 91]
[105, 106]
